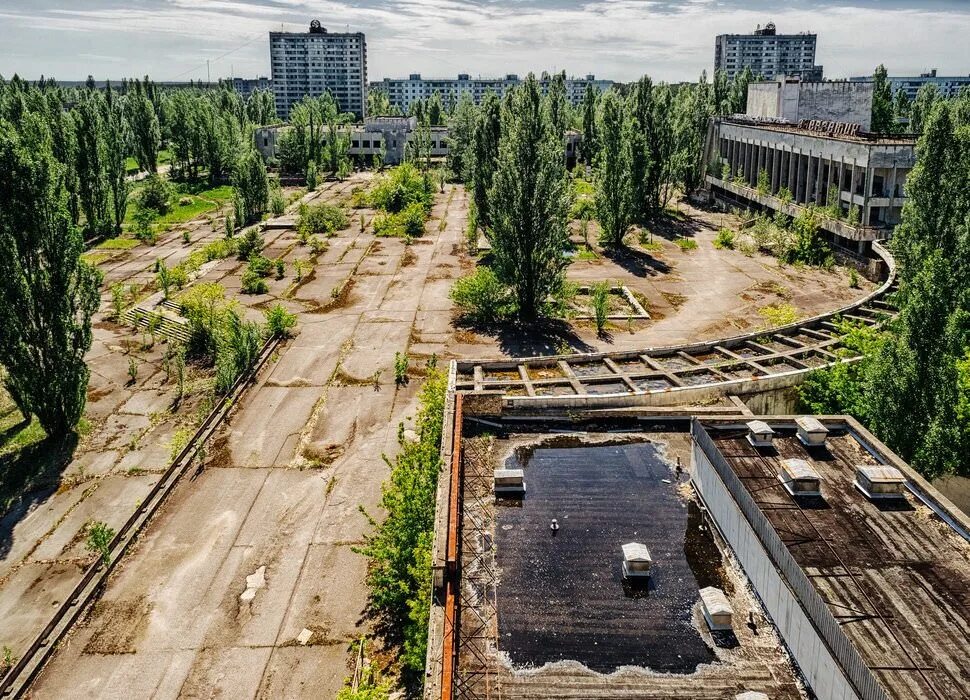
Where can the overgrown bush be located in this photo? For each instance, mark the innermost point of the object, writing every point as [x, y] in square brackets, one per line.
[404, 224]
[98, 540]
[320, 218]
[776, 315]
[724, 240]
[277, 203]
[250, 244]
[253, 282]
[808, 246]
[599, 296]
[399, 550]
[279, 321]
[156, 194]
[481, 297]
[400, 188]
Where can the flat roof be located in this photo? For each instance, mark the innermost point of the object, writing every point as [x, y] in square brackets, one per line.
[861, 137]
[549, 614]
[896, 576]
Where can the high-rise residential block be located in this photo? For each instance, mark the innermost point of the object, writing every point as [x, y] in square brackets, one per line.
[767, 54]
[316, 62]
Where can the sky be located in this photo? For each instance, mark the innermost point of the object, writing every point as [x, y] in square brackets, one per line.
[621, 40]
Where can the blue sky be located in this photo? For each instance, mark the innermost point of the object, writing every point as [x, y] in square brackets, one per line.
[617, 39]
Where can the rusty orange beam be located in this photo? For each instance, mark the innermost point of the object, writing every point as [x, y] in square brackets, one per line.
[449, 656]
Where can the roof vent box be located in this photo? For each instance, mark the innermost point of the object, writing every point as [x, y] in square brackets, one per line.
[718, 612]
[880, 481]
[811, 432]
[509, 482]
[636, 560]
[760, 433]
[800, 478]
[751, 695]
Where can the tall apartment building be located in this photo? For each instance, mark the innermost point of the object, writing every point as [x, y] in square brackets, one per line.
[948, 86]
[767, 54]
[247, 86]
[402, 92]
[316, 62]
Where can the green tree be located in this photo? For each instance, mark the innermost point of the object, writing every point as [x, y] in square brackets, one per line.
[883, 118]
[737, 101]
[613, 191]
[92, 161]
[47, 292]
[435, 114]
[558, 104]
[461, 139]
[488, 130]
[588, 147]
[639, 108]
[115, 162]
[915, 383]
[145, 129]
[529, 230]
[901, 111]
[252, 185]
[922, 107]
[379, 104]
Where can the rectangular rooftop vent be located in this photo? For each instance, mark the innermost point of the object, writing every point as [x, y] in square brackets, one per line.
[760, 433]
[717, 610]
[811, 432]
[509, 482]
[636, 560]
[880, 481]
[800, 478]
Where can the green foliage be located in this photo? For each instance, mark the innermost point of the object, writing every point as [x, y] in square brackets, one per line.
[277, 203]
[764, 182]
[724, 240]
[726, 172]
[320, 218]
[400, 188]
[408, 223]
[686, 244]
[481, 297]
[528, 232]
[883, 119]
[98, 540]
[401, 363]
[583, 199]
[250, 244]
[853, 278]
[854, 216]
[252, 184]
[808, 246]
[399, 551]
[156, 193]
[599, 295]
[488, 131]
[279, 321]
[777, 315]
[48, 293]
[833, 207]
[461, 139]
[253, 282]
[237, 348]
[613, 162]
[785, 195]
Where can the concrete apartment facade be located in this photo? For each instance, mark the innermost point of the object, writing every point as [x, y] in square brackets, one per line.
[316, 62]
[807, 159]
[403, 92]
[948, 86]
[247, 86]
[793, 100]
[767, 54]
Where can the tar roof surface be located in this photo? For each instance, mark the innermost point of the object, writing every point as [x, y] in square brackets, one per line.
[896, 577]
[492, 664]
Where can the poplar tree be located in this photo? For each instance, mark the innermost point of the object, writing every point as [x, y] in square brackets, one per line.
[47, 292]
[588, 146]
[92, 161]
[252, 184]
[529, 231]
[487, 133]
[914, 392]
[558, 104]
[116, 170]
[461, 139]
[613, 204]
[883, 119]
[146, 132]
[639, 107]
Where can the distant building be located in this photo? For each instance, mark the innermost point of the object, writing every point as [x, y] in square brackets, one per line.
[403, 92]
[948, 86]
[316, 62]
[767, 54]
[247, 86]
[796, 100]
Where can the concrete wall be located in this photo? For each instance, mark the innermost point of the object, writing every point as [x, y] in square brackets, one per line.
[810, 652]
[763, 99]
[794, 100]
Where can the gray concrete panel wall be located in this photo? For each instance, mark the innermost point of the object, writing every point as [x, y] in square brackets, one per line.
[835, 102]
[763, 100]
[812, 655]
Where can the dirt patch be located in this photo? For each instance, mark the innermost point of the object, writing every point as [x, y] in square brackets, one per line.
[409, 258]
[123, 622]
[675, 300]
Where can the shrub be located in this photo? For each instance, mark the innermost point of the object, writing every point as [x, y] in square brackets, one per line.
[778, 315]
[764, 182]
[724, 240]
[853, 278]
[250, 244]
[280, 268]
[401, 363]
[277, 204]
[785, 195]
[481, 297]
[156, 194]
[253, 282]
[144, 225]
[686, 244]
[261, 265]
[726, 172]
[238, 347]
[808, 247]
[404, 224]
[401, 187]
[853, 217]
[279, 321]
[320, 218]
[98, 540]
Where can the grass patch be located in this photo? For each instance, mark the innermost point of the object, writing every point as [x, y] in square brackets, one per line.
[586, 254]
[201, 203]
[96, 257]
[686, 244]
[119, 243]
[164, 158]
